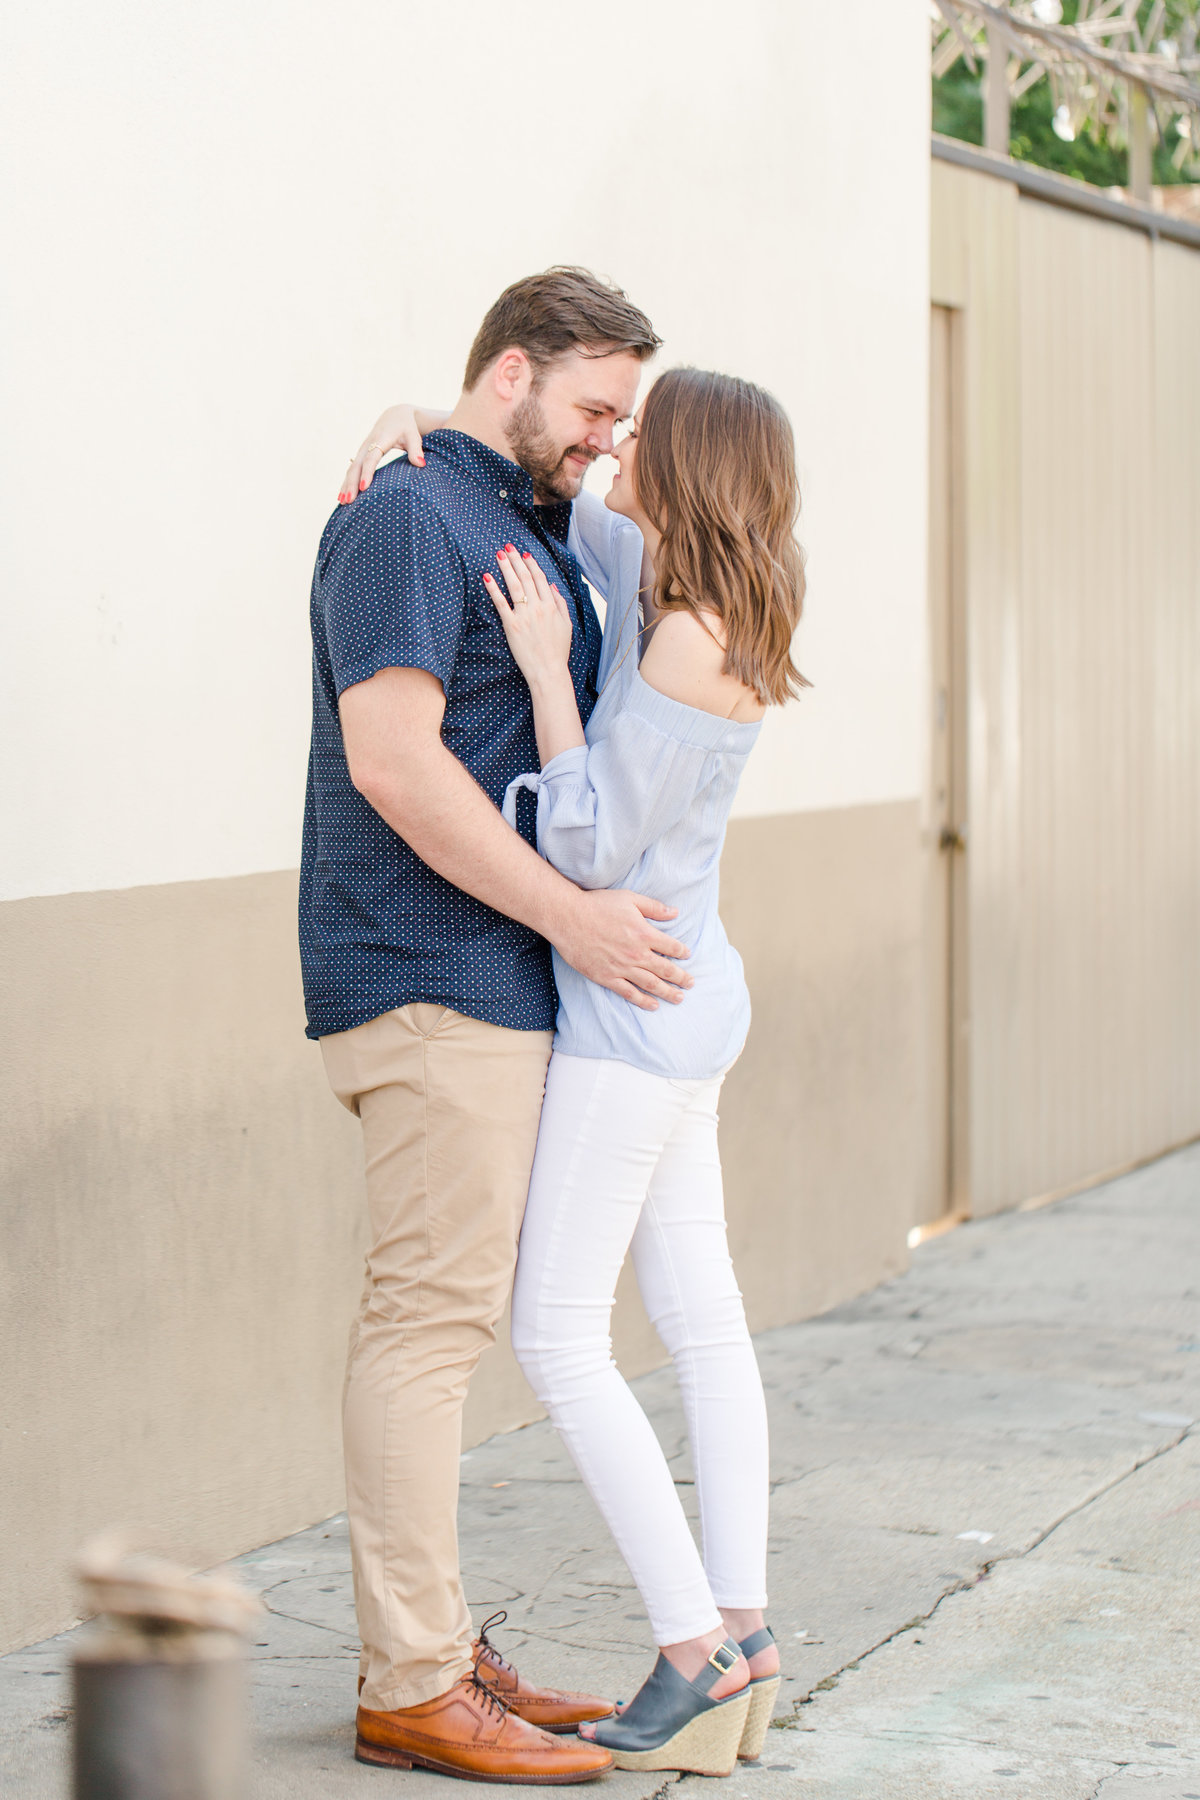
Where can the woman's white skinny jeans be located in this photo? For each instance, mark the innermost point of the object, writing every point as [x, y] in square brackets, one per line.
[625, 1158]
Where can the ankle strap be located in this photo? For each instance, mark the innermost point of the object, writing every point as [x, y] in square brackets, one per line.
[723, 1658]
[758, 1640]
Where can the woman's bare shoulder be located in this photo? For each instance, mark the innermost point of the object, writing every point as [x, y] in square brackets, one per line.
[685, 659]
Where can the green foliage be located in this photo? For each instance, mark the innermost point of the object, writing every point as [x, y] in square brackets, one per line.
[958, 103]
[958, 112]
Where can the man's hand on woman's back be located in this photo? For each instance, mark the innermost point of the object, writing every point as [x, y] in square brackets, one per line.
[608, 938]
[391, 727]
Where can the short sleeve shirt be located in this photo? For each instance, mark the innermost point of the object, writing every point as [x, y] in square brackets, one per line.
[398, 584]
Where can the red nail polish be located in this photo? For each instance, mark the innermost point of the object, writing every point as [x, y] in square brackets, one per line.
[527, 556]
[361, 486]
[511, 548]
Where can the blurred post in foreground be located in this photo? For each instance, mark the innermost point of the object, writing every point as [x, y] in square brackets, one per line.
[159, 1684]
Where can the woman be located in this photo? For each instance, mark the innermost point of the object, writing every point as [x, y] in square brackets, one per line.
[694, 549]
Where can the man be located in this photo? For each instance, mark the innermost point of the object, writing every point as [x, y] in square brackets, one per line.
[425, 926]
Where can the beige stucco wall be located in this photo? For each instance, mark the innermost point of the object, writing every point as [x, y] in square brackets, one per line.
[241, 230]
[181, 1199]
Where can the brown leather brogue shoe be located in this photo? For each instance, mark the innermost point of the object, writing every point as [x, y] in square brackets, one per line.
[554, 1709]
[470, 1732]
[551, 1708]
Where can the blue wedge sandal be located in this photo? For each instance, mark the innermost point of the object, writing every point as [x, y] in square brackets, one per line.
[672, 1723]
[763, 1690]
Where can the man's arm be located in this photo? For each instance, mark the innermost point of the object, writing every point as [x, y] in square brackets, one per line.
[391, 726]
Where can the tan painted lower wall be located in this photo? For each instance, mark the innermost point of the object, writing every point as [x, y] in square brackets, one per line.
[181, 1211]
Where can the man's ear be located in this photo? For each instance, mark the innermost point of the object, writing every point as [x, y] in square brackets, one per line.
[512, 375]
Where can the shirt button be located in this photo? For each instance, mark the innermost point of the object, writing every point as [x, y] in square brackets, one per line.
[504, 493]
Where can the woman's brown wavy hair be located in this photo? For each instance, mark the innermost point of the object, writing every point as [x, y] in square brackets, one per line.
[716, 474]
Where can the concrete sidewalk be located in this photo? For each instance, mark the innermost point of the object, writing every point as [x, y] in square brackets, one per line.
[986, 1542]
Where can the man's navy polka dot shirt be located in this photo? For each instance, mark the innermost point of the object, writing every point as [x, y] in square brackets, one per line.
[398, 584]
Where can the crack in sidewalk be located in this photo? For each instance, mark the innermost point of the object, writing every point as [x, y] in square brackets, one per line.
[296, 1619]
[790, 1721]
[1105, 1779]
[1107, 1487]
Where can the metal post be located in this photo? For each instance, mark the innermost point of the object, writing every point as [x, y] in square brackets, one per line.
[995, 93]
[153, 1728]
[159, 1686]
[1140, 163]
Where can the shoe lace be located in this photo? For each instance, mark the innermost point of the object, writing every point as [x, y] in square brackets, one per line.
[488, 1695]
[486, 1644]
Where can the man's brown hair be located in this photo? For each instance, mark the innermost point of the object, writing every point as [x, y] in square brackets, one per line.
[716, 475]
[559, 310]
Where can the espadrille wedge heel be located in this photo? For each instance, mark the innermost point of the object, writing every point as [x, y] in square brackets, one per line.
[672, 1723]
[763, 1692]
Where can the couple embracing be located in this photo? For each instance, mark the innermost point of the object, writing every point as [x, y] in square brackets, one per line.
[506, 806]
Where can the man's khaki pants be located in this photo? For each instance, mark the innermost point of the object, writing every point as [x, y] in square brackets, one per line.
[449, 1109]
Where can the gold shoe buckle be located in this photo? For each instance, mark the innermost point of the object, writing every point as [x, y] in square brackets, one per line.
[729, 1661]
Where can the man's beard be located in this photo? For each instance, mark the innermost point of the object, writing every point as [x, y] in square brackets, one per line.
[539, 456]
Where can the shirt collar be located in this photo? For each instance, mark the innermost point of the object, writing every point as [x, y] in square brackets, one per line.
[504, 478]
[500, 475]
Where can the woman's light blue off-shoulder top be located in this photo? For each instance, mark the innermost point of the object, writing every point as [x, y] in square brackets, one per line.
[644, 805]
